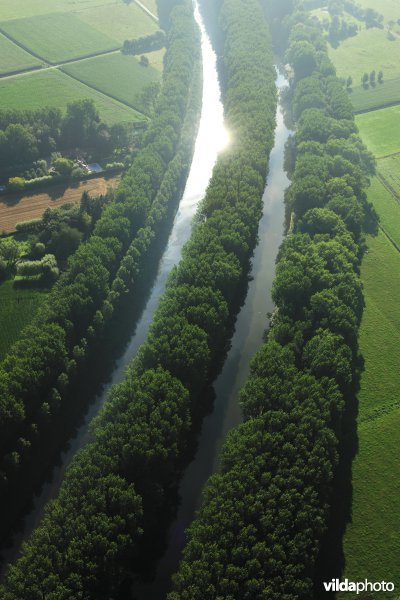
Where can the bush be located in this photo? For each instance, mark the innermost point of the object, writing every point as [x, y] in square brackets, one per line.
[16, 184]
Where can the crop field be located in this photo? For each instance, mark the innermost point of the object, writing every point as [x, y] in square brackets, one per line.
[373, 533]
[16, 208]
[16, 9]
[58, 37]
[13, 58]
[52, 88]
[389, 169]
[383, 94]
[369, 50]
[116, 74]
[119, 21]
[17, 307]
[380, 130]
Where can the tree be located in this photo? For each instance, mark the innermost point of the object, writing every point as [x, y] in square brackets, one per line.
[16, 184]
[64, 166]
[144, 61]
[349, 81]
[302, 56]
[10, 252]
[364, 79]
[380, 76]
[372, 77]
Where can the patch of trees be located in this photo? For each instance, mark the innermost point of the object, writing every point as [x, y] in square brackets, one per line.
[26, 136]
[140, 437]
[36, 377]
[148, 43]
[259, 529]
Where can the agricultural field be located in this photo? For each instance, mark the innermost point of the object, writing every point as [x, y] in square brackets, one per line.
[18, 9]
[13, 58]
[120, 76]
[58, 37]
[376, 474]
[17, 307]
[53, 88]
[119, 21]
[380, 130]
[16, 208]
[389, 170]
[378, 96]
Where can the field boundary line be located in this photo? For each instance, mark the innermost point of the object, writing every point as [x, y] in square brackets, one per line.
[23, 47]
[146, 10]
[388, 186]
[364, 111]
[96, 89]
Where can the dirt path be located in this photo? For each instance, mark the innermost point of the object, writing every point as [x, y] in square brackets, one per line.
[16, 208]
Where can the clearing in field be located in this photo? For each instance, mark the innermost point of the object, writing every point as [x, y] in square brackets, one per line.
[380, 130]
[13, 58]
[378, 96]
[120, 76]
[369, 50]
[119, 21]
[389, 171]
[17, 308]
[371, 543]
[16, 208]
[58, 37]
[52, 88]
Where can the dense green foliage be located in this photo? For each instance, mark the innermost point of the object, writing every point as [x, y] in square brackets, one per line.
[141, 434]
[149, 43]
[259, 529]
[36, 375]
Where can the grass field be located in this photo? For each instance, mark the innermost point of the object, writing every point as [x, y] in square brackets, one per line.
[389, 169]
[390, 9]
[371, 543]
[115, 74]
[13, 58]
[368, 50]
[119, 21]
[151, 5]
[380, 130]
[16, 9]
[52, 88]
[58, 37]
[387, 207]
[17, 307]
[383, 94]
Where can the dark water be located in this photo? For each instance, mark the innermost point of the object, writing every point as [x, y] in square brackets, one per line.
[211, 138]
[248, 337]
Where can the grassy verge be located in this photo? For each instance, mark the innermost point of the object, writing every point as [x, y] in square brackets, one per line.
[17, 308]
[52, 88]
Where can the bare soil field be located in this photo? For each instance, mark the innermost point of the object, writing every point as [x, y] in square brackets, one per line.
[15, 208]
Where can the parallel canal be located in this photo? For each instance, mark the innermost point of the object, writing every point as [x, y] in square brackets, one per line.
[212, 137]
[248, 337]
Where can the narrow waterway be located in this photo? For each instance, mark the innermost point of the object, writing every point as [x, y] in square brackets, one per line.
[211, 138]
[248, 337]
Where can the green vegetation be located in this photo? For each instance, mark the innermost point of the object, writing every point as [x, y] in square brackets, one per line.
[387, 207]
[18, 306]
[389, 8]
[389, 170]
[118, 75]
[15, 9]
[58, 37]
[54, 89]
[13, 58]
[119, 21]
[147, 418]
[380, 130]
[371, 544]
[379, 96]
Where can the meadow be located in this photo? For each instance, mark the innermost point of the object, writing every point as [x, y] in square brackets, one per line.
[58, 37]
[373, 533]
[13, 58]
[116, 74]
[15, 9]
[151, 5]
[119, 21]
[389, 170]
[17, 307]
[390, 9]
[381, 95]
[53, 88]
[380, 130]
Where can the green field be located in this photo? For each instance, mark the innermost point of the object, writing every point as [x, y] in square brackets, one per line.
[119, 21]
[368, 50]
[58, 37]
[371, 543]
[389, 170]
[390, 9]
[17, 307]
[151, 5]
[380, 130]
[16, 9]
[13, 58]
[115, 74]
[53, 88]
[383, 94]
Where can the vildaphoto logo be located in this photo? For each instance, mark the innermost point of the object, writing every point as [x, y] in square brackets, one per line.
[358, 586]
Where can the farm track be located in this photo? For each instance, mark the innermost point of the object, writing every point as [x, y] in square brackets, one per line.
[17, 208]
